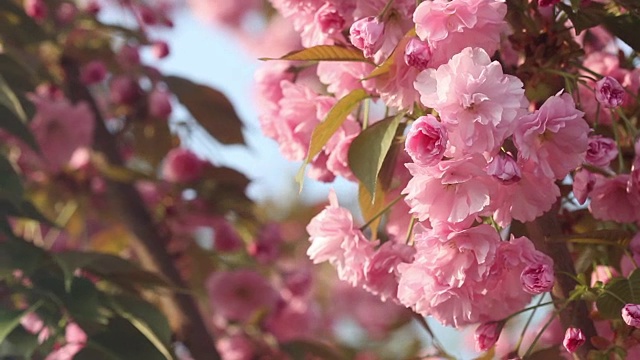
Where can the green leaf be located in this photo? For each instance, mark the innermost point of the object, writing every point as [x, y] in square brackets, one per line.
[83, 301]
[371, 206]
[10, 319]
[20, 344]
[325, 130]
[10, 184]
[109, 267]
[211, 109]
[12, 115]
[305, 349]
[626, 27]
[16, 28]
[369, 149]
[324, 53]
[148, 320]
[17, 254]
[619, 292]
[121, 340]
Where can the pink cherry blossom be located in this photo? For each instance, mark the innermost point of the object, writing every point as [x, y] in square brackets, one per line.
[450, 26]
[366, 35]
[426, 141]
[381, 273]
[128, 56]
[75, 339]
[609, 92]
[449, 274]
[611, 200]
[554, 137]
[487, 334]
[583, 183]
[60, 128]
[268, 93]
[396, 87]
[537, 278]
[601, 151]
[336, 239]
[66, 13]
[451, 191]
[297, 318]
[338, 161]
[504, 168]
[604, 274]
[160, 49]
[124, 90]
[573, 339]
[36, 9]
[477, 102]
[343, 77]
[239, 294]
[417, 54]
[182, 165]
[631, 315]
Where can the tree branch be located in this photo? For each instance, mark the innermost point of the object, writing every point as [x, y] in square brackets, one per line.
[545, 232]
[192, 330]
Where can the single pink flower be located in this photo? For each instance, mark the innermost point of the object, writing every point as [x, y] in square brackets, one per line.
[612, 201]
[426, 141]
[538, 278]
[124, 90]
[601, 151]
[239, 294]
[417, 54]
[554, 137]
[609, 92]
[343, 77]
[451, 191]
[631, 315]
[61, 128]
[573, 339]
[330, 19]
[236, 347]
[366, 33]
[487, 334]
[450, 26]
[477, 103]
[336, 239]
[75, 338]
[182, 166]
[381, 272]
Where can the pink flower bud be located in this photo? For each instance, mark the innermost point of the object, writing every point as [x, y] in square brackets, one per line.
[487, 335]
[147, 15]
[544, 3]
[573, 339]
[124, 90]
[93, 7]
[631, 315]
[74, 334]
[504, 168]
[609, 92]
[537, 278]
[426, 141]
[181, 165]
[417, 54]
[66, 13]
[160, 104]
[160, 49]
[93, 72]
[37, 9]
[366, 33]
[329, 19]
[601, 151]
[128, 56]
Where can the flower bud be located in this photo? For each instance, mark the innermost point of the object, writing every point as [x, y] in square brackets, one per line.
[124, 90]
[601, 151]
[417, 54]
[537, 278]
[504, 168]
[609, 92]
[37, 9]
[160, 49]
[93, 72]
[160, 104]
[93, 7]
[631, 315]
[66, 13]
[487, 335]
[573, 339]
[426, 141]
[181, 165]
[366, 35]
[128, 56]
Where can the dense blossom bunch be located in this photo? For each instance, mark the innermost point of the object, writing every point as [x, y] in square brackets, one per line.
[491, 144]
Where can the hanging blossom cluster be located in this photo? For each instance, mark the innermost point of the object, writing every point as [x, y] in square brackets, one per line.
[485, 145]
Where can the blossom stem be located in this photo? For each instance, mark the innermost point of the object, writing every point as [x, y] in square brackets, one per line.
[385, 10]
[526, 325]
[381, 212]
[408, 239]
[436, 343]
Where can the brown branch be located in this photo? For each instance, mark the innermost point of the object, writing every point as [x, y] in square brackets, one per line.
[192, 330]
[545, 232]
